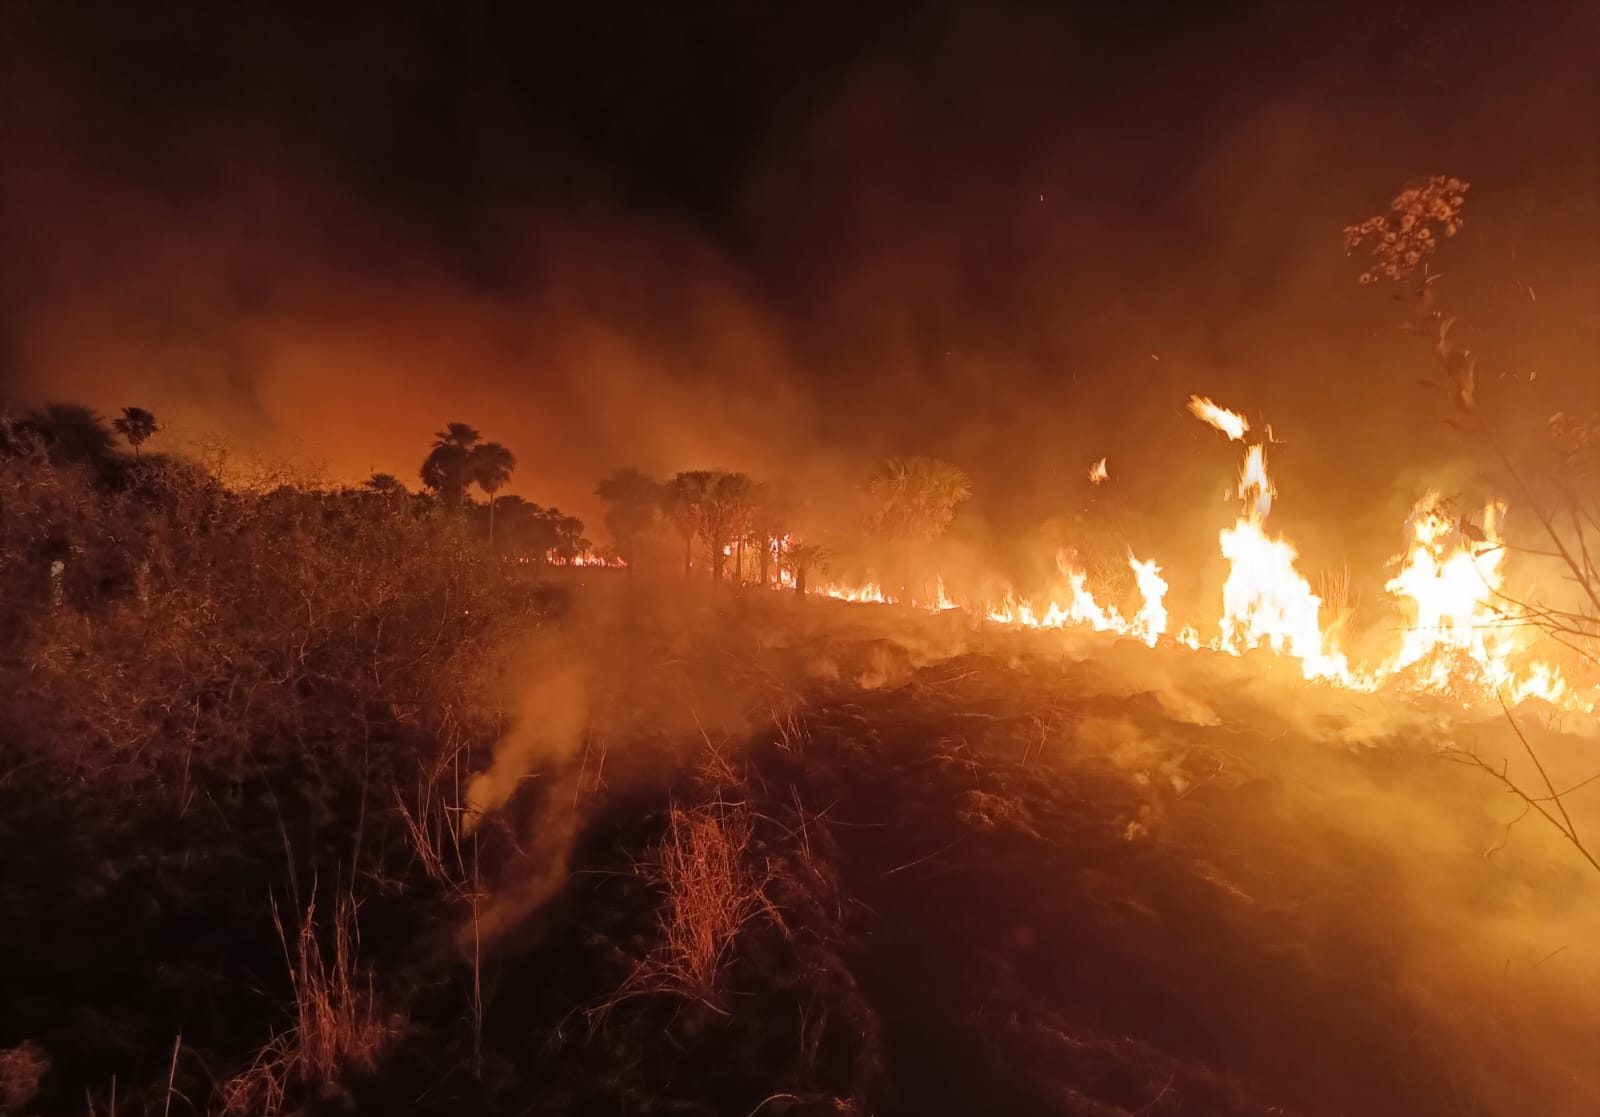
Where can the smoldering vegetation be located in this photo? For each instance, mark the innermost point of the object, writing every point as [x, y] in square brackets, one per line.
[314, 802]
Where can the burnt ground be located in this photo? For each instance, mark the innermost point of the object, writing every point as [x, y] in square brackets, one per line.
[1006, 875]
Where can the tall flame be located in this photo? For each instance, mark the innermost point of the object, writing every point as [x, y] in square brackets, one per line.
[1255, 486]
[1461, 640]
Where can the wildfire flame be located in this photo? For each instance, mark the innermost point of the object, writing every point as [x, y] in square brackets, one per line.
[1230, 423]
[1098, 474]
[1460, 639]
[1147, 624]
[586, 558]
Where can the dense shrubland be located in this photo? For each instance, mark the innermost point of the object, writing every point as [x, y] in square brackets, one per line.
[211, 697]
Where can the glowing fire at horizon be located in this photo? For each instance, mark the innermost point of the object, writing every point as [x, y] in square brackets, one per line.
[1461, 641]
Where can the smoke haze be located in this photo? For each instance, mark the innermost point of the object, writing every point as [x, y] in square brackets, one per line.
[1014, 239]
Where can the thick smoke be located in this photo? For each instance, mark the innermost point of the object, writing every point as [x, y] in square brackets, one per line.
[1015, 240]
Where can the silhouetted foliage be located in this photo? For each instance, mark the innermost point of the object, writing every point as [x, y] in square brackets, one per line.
[490, 466]
[537, 534]
[71, 434]
[135, 425]
[713, 506]
[386, 484]
[447, 469]
[633, 506]
[913, 499]
[802, 559]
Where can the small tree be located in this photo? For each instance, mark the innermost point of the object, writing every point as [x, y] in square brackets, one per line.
[1400, 244]
[384, 484]
[802, 558]
[136, 425]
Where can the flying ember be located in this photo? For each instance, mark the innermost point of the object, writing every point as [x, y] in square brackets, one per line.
[1230, 423]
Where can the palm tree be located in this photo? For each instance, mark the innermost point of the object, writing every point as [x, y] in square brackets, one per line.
[771, 510]
[713, 504]
[136, 425]
[447, 468]
[802, 558]
[729, 509]
[633, 501]
[915, 498]
[682, 501]
[490, 466]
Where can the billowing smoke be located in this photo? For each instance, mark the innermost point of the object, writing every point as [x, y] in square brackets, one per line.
[1018, 241]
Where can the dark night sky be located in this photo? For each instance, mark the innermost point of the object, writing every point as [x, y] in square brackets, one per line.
[786, 237]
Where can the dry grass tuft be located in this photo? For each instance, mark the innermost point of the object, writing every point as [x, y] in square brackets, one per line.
[1339, 597]
[338, 1028]
[712, 894]
[22, 1069]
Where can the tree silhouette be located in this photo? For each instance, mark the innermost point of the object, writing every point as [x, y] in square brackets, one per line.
[136, 425]
[447, 468]
[802, 558]
[633, 502]
[914, 499]
[682, 499]
[725, 516]
[911, 502]
[771, 509]
[490, 466]
[714, 505]
[539, 533]
[384, 484]
[71, 434]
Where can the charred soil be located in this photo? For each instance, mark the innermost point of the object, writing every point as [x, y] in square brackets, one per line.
[888, 867]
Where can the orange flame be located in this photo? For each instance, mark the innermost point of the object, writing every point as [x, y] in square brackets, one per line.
[1230, 423]
[1460, 641]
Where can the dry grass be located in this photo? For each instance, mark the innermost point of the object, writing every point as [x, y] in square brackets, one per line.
[712, 894]
[22, 1069]
[1338, 596]
[438, 823]
[339, 1027]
